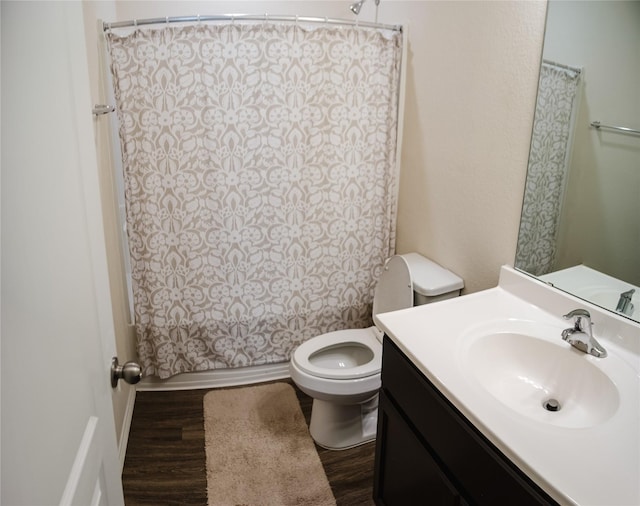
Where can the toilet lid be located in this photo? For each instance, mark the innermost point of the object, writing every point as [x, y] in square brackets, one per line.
[394, 289]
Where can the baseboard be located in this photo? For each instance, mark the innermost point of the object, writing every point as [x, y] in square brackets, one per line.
[217, 378]
[126, 427]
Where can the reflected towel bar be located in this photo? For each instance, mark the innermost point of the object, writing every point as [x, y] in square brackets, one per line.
[597, 124]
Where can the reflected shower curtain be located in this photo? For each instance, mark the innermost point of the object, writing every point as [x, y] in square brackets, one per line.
[260, 185]
[548, 166]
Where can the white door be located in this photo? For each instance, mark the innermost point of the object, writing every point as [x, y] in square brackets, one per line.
[58, 434]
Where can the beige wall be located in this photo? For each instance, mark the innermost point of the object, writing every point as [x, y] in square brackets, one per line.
[472, 75]
[471, 87]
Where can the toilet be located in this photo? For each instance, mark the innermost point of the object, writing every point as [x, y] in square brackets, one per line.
[340, 370]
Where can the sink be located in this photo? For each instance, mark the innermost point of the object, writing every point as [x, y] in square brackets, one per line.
[541, 379]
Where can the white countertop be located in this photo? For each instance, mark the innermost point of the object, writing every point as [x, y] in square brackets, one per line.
[596, 464]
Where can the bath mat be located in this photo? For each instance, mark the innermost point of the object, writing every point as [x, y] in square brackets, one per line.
[259, 451]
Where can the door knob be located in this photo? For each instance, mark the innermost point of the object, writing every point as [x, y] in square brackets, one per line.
[130, 372]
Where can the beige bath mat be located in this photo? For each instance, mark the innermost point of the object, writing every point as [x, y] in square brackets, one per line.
[259, 451]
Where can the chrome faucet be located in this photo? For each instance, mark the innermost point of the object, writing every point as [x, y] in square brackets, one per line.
[624, 303]
[580, 335]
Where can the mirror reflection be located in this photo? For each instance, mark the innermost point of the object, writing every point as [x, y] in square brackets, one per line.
[580, 225]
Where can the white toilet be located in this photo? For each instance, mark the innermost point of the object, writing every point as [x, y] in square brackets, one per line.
[341, 369]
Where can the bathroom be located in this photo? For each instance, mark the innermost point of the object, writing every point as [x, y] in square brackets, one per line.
[462, 211]
[470, 203]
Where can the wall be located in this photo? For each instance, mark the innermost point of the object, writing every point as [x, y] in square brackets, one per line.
[472, 81]
[600, 225]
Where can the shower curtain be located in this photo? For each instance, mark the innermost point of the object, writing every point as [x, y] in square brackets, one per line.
[548, 167]
[260, 185]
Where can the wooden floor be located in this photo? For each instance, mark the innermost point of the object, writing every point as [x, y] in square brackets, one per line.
[165, 462]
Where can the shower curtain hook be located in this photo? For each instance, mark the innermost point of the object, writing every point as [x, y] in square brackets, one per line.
[198, 19]
[166, 19]
[135, 24]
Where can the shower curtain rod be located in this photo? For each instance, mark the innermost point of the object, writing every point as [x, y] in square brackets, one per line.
[245, 17]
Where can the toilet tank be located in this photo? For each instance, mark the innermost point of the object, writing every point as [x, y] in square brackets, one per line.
[431, 282]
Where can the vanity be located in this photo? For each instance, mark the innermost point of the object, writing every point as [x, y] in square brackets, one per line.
[483, 402]
[430, 450]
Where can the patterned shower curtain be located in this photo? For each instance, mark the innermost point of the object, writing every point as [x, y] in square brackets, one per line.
[260, 185]
[548, 167]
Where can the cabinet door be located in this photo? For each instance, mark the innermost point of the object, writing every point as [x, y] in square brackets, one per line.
[477, 468]
[406, 474]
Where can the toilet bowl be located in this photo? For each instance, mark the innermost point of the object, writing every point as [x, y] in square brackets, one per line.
[343, 367]
[340, 370]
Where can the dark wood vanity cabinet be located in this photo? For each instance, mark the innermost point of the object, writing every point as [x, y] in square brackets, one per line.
[428, 453]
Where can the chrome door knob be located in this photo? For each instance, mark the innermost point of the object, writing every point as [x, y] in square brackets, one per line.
[130, 372]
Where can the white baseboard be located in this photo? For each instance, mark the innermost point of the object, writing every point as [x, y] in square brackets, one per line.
[126, 427]
[217, 378]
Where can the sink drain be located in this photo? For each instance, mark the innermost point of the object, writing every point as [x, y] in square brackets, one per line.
[551, 405]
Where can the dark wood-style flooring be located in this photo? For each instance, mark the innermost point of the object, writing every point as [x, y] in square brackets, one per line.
[165, 461]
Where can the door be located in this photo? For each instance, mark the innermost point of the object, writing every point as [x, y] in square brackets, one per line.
[58, 434]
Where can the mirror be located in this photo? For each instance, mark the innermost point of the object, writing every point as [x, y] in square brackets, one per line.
[580, 224]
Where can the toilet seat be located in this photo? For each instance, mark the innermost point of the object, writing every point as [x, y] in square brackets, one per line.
[313, 349]
[316, 356]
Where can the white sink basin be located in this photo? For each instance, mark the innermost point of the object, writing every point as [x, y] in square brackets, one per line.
[530, 375]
